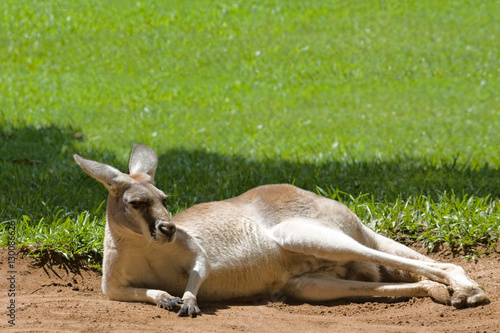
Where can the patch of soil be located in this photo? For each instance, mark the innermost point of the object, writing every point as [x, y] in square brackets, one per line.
[54, 294]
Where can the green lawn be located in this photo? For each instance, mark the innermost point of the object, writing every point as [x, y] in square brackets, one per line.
[389, 106]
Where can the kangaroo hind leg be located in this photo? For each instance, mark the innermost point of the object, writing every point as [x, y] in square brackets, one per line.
[311, 238]
[317, 287]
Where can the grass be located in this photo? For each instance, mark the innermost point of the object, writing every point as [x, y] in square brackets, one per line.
[391, 107]
[73, 236]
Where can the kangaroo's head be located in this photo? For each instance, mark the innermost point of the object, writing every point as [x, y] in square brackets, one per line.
[135, 205]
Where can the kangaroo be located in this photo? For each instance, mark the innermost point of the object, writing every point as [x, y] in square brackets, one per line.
[273, 238]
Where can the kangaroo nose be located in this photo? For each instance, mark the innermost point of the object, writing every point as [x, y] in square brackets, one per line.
[168, 229]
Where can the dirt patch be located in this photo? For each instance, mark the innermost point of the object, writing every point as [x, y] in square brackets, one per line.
[54, 294]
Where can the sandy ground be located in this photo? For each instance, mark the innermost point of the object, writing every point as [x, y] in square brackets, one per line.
[55, 295]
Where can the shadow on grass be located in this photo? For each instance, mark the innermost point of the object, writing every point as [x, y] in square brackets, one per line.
[39, 176]
[197, 176]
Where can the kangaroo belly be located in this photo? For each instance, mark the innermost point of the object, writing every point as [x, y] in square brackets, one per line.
[246, 276]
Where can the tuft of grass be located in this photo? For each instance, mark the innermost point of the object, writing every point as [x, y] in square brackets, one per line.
[469, 226]
[79, 236]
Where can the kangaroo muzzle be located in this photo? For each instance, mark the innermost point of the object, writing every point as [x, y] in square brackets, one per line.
[165, 230]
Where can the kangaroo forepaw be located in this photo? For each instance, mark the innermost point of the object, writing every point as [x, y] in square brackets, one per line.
[170, 303]
[189, 309]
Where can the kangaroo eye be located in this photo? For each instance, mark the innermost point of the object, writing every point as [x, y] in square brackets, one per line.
[137, 204]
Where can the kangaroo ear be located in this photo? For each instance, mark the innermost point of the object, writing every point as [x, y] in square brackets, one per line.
[112, 178]
[143, 159]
